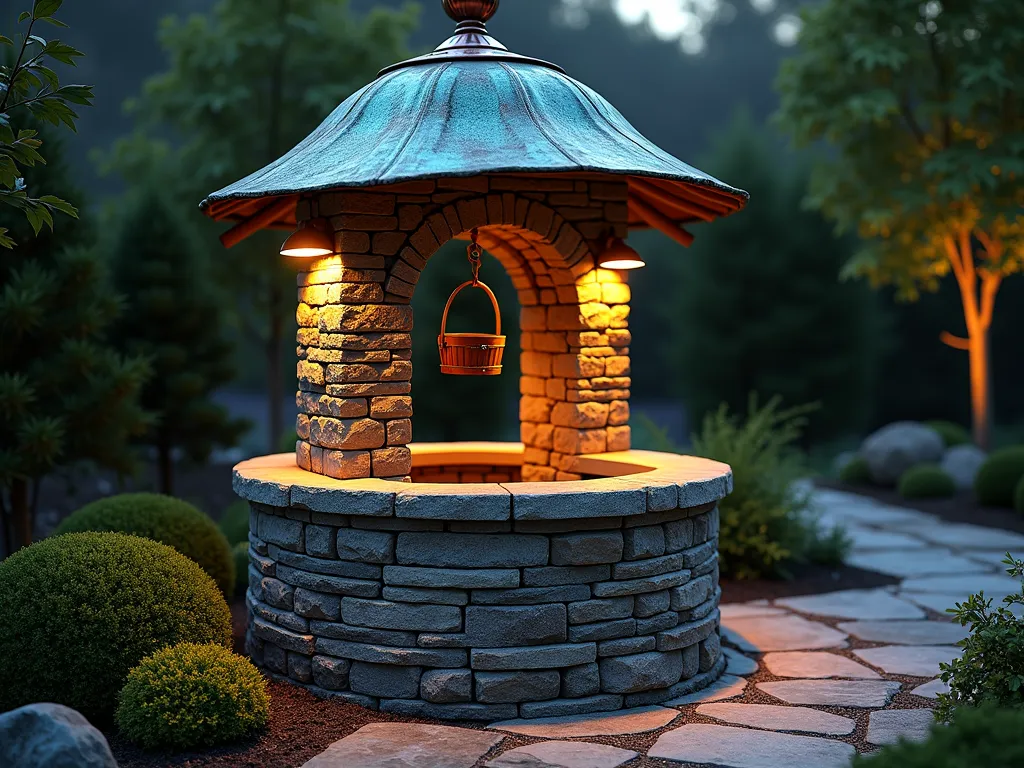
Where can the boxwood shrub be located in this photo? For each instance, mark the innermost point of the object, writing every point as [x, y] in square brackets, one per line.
[856, 472]
[80, 610]
[926, 481]
[190, 696]
[170, 521]
[950, 432]
[997, 478]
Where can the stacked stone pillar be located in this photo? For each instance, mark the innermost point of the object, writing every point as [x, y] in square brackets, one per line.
[355, 318]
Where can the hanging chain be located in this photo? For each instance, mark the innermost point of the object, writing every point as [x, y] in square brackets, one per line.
[473, 253]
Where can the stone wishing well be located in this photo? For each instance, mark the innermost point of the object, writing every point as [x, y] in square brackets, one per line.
[564, 574]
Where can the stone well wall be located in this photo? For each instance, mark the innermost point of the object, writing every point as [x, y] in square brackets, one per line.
[487, 620]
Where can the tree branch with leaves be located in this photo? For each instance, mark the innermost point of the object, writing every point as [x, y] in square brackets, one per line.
[28, 86]
[920, 102]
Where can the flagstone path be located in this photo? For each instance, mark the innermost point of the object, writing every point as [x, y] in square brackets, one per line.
[829, 674]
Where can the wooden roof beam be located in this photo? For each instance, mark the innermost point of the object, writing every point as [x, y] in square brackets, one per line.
[265, 217]
[661, 222]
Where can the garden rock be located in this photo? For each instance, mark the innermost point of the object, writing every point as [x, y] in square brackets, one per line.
[777, 718]
[913, 660]
[890, 726]
[816, 664]
[407, 745]
[962, 462]
[895, 448]
[745, 748]
[864, 694]
[53, 736]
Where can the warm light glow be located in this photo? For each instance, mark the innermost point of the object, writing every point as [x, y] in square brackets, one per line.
[309, 241]
[618, 255]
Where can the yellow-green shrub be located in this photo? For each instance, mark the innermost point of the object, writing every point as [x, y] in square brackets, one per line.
[926, 481]
[189, 696]
[997, 478]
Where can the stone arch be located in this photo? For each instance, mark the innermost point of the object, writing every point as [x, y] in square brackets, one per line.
[355, 317]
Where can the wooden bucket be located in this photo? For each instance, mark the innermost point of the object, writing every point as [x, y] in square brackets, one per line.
[471, 354]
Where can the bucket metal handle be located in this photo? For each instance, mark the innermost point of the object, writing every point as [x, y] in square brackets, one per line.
[475, 284]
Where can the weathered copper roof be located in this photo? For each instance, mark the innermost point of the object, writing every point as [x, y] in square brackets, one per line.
[473, 108]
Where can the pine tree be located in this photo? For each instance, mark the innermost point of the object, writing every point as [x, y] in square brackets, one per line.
[66, 396]
[762, 308]
[174, 317]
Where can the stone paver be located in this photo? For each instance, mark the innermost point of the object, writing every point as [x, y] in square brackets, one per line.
[738, 664]
[994, 557]
[934, 601]
[725, 687]
[772, 717]
[722, 745]
[916, 562]
[407, 745]
[746, 610]
[780, 633]
[624, 721]
[562, 754]
[867, 539]
[855, 604]
[994, 585]
[906, 632]
[862, 694]
[965, 536]
[891, 725]
[931, 689]
[816, 664]
[912, 660]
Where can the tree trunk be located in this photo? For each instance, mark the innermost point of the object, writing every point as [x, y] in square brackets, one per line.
[165, 467]
[981, 415]
[275, 392]
[21, 514]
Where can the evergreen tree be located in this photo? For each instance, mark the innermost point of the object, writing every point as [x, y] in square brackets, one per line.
[66, 396]
[761, 306]
[175, 318]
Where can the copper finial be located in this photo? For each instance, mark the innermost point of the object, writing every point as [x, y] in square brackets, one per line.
[470, 10]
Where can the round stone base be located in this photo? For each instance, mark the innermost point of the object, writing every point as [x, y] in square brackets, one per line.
[486, 619]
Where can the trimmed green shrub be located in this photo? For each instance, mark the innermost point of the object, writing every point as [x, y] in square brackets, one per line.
[856, 472]
[997, 478]
[766, 525]
[80, 610]
[1018, 497]
[190, 696]
[240, 553]
[987, 737]
[926, 481]
[235, 525]
[950, 432]
[991, 668]
[170, 521]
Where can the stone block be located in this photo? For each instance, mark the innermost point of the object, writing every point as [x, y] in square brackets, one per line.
[588, 611]
[395, 461]
[346, 465]
[564, 575]
[579, 681]
[366, 546]
[382, 614]
[379, 654]
[589, 548]
[624, 646]
[338, 631]
[640, 672]
[691, 661]
[322, 565]
[384, 680]
[534, 657]
[300, 668]
[446, 686]
[709, 649]
[509, 626]
[639, 586]
[275, 659]
[565, 707]
[316, 605]
[346, 434]
[468, 711]
[467, 501]
[287, 534]
[282, 638]
[330, 673]
[335, 585]
[657, 623]
[699, 554]
[530, 595]
[391, 407]
[320, 541]
[362, 318]
[678, 535]
[277, 593]
[602, 630]
[691, 594]
[420, 595]
[283, 618]
[445, 578]
[652, 566]
[651, 603]
[366, 498]
[472, 550]
[688, 633]
[515, 687]
[648, 541]
[399, 432]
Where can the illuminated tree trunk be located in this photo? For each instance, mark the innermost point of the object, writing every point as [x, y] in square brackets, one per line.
[978, 291]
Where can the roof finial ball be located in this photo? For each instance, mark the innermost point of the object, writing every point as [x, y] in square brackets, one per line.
[470, 10]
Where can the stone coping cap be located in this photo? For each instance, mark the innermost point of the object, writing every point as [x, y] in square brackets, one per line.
[629, 483]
